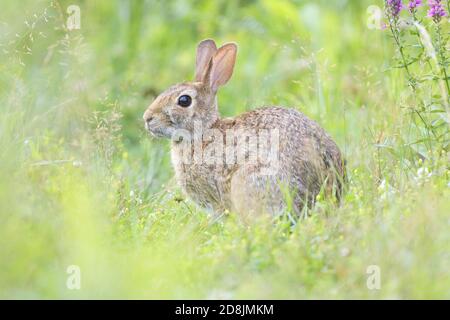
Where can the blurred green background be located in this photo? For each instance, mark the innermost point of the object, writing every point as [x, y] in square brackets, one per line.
[82, 184]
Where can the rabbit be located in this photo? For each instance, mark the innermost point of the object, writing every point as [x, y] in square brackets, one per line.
[306, 160]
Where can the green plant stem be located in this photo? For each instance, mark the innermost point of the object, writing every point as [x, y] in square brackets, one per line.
[429, 128]
[396, 36]
[413, 12]
[443, 58]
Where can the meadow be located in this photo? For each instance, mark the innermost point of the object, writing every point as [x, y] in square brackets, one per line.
[83, 187]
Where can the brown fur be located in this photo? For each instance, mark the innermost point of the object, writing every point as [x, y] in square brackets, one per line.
[309, 159]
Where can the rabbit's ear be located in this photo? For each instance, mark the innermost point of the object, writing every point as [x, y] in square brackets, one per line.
[222, 65]
[205, 51]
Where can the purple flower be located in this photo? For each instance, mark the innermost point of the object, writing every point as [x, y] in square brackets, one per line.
[436, 11]
[413, 4]
[394, 7]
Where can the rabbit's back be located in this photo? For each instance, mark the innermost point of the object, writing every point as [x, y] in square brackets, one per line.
[308, 157]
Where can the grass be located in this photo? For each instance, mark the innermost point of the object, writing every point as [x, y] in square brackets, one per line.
[82, 184]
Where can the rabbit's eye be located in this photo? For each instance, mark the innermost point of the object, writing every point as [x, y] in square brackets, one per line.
[184, 101]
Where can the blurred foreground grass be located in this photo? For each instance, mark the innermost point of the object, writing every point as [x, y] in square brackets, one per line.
[81, 184]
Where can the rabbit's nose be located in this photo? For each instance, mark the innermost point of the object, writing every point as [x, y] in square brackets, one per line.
[147, 120]
[148, 117]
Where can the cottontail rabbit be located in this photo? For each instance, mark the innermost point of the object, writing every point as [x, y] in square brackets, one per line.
[261, 161]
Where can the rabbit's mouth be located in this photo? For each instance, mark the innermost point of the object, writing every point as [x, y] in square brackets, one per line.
[158, 131]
